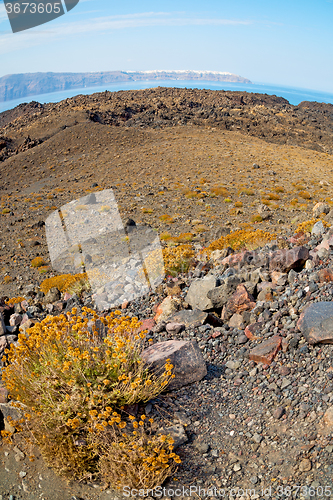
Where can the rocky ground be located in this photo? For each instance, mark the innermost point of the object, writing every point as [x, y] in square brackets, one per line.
[262, 416]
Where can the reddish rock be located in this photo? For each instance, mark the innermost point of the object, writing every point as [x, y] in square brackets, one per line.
[325, 275]
[278, 278]
[239, 302]
[166, 308]
[266, 351]
[147, 324]
[299, 238]
[67, 296]
[285, 260]
[253, 330]
[188, 363]
[316, 323]
[125, 304]
[237, 258]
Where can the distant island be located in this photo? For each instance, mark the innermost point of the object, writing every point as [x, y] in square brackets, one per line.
[26, 84]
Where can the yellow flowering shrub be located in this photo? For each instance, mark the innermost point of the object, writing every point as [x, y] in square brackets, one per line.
[178, 259]
[307, 226]
[72, 382]
[14, 300]
[242, 238]
[64, 282]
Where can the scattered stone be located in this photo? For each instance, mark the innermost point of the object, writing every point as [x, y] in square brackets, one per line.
[285, 260]
[266, 351]
[197, 293]
[318, 228]
[186, 357]
[325, 275]
[174, 328]
[278, 412]
[167, 307]
[200, 446]
[316, 323]
[320, 208]
[176, 432]
[305, 465]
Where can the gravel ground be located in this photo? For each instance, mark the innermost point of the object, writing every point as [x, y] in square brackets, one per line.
[249, 425]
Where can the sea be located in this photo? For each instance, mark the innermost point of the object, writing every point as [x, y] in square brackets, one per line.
[293, 95]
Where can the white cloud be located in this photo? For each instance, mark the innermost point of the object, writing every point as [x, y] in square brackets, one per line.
[28, 38]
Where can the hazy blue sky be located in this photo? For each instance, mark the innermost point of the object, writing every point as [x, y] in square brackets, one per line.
[285, 42]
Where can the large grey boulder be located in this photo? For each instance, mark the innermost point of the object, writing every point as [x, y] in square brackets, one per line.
[186, 358]
[316, 323]
[219, 296]
[197, 293]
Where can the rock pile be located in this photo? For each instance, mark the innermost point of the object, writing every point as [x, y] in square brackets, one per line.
[252, 333]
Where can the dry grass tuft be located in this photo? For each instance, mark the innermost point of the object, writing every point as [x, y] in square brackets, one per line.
[219, 191]
[305, 195]
[38, 262]
[273, 196]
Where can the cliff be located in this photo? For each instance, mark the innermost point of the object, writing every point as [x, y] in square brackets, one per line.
[26, 84]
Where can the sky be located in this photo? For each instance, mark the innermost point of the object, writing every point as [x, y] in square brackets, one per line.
[287, 43]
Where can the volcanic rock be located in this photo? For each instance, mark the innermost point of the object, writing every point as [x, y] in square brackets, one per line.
[285, 260]
[316, 323]
[266, 351]
[197, 293]
[186, 357]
